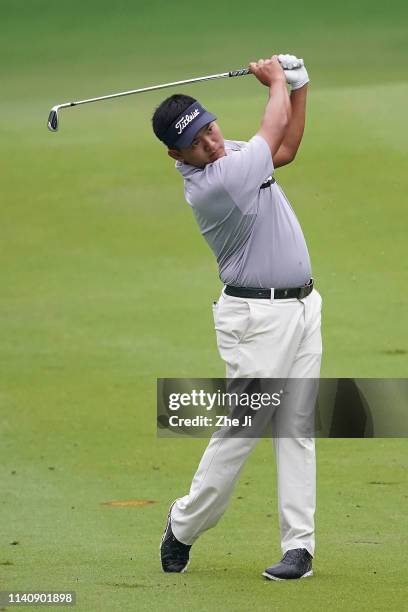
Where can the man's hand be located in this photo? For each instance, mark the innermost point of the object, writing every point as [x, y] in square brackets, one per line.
[294, 69]
[268, 71]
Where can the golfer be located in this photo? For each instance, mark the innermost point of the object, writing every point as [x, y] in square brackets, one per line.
[267, 319]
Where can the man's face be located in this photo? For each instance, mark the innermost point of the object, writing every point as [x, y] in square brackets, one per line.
[207, 147]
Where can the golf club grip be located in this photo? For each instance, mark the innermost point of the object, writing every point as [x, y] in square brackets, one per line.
[244, 71]
[237, 73]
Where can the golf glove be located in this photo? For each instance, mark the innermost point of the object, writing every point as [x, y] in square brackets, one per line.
[294, 69]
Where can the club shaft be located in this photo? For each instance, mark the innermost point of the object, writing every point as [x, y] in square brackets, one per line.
[210, 77]
[53, 115]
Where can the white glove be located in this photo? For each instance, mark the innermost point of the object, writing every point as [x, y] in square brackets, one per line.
[294, 69]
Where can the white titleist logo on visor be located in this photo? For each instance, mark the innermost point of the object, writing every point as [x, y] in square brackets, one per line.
[185, 120]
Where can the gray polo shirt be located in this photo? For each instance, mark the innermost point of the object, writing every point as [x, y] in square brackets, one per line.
[253, 232]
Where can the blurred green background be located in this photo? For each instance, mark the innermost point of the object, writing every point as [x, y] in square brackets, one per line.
[107, 285]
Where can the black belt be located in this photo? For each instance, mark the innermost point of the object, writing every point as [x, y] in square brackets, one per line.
[267, 183]
[265, 294]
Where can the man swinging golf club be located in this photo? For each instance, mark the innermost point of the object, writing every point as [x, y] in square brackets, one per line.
[267, 319]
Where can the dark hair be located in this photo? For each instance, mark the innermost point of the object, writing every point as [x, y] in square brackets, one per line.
[168, 111]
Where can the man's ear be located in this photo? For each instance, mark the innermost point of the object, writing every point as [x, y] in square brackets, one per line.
[175, 154]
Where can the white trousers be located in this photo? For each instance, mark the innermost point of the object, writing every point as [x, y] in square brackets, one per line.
[260, 338]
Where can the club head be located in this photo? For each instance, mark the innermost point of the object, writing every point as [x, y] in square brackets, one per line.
[53, 119]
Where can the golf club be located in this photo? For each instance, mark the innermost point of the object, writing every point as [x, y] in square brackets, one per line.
[53, 119]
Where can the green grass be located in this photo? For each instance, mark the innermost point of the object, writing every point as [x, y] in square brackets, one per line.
[107, 285]
[110, 555]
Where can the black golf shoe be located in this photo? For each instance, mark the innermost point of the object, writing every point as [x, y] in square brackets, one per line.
[295, 563]
[174, 554]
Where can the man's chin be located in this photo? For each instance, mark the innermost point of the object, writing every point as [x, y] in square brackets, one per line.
[217, 155]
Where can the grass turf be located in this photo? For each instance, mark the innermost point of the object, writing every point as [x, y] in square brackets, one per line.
[97, 249]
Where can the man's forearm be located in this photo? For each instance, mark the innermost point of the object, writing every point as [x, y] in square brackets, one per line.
[296, 126]
[277, 115]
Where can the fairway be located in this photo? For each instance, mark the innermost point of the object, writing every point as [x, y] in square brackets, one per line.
[108, 285]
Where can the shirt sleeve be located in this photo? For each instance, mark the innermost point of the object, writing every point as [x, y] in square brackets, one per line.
[241, 173]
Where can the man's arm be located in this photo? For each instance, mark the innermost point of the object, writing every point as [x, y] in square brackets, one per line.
[276, 116]
[242, 174]
[294, 132]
